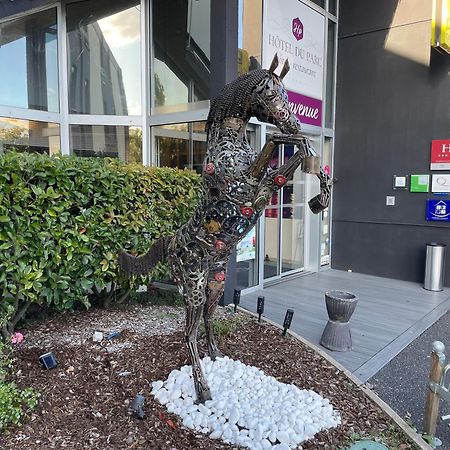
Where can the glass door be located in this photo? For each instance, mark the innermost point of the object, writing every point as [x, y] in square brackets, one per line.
[292, 219]
[285, 220]
[247, 252]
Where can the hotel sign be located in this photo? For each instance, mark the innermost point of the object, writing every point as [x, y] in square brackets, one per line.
[295, 31]
[440, 26]
[440, 155]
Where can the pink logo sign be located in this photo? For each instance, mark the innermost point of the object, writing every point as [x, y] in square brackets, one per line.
[297, 29]
[327, 169]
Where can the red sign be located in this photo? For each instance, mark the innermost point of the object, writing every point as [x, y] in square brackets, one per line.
[440, 155]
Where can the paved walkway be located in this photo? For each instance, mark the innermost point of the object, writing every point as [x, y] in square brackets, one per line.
[390, 314]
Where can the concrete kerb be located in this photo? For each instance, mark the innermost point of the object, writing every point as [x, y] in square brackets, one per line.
[416, 438]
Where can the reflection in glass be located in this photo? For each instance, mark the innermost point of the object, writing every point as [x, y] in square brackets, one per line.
[249, 35]
[325, 232]
[181, 145]
[247, 257]
[292, 229]
[113, 141]
[29, 62]
[271, 243]
[330, 74]
[104, 57]
[181, 36]
[29, 136]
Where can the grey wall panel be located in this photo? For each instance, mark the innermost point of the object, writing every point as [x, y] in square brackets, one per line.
[393, 94]
[390, 251]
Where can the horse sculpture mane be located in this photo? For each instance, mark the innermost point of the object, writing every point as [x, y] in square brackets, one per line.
[237, 185]
[234, 97]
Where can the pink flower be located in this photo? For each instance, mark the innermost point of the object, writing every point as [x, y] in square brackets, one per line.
[17, 338]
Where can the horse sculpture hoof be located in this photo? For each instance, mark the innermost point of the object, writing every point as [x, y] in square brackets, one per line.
[203, 396]
[214, 354]
[315, 205]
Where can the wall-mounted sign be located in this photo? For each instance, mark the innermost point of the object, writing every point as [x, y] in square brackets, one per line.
[440, 183]
[440, 26]
[420, 183]
[400, 182]
[438, 210]
[440, 155]
[295, 31]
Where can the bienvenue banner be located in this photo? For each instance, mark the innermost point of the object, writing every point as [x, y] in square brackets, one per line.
[297, 32]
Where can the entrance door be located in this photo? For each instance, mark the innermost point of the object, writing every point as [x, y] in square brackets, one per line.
[284, 223]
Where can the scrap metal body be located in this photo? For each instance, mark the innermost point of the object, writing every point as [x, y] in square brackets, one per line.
[237, 184]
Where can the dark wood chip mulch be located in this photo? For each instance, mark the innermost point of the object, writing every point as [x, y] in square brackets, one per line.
[84, 401]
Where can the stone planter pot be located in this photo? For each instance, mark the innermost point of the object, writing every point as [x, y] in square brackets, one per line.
[337, 334]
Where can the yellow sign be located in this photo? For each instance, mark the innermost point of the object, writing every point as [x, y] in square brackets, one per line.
[440, 25]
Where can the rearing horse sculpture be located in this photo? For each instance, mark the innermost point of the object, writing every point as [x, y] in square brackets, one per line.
[237, 185]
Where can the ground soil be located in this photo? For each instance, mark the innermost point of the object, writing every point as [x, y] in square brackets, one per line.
[85, 401]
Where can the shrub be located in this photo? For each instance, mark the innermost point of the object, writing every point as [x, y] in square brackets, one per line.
[63, 219]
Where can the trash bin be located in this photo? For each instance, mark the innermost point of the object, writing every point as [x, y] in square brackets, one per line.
[434, 267]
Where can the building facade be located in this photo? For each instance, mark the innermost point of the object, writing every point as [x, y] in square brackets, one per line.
[393, 101]
[133, 79]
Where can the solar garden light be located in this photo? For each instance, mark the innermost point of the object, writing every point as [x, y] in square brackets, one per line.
[137, 406]
[48, 360]
[236, 298]
[260, 307]
[287, 320]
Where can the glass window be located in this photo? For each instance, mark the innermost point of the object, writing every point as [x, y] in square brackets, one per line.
[29, 62]
[320, 3]
[330, 74]
[113, 141]
[182, 51]
[181, 145]
[332, 7]
[325, 223]
[104, 63]
[29, 136]
[249, 35]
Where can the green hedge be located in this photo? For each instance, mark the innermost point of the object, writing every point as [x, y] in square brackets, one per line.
[63, 219]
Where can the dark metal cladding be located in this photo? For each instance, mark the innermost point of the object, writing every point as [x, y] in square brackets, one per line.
[237, 184]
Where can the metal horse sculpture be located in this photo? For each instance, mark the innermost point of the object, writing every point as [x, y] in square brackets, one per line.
[237, 185]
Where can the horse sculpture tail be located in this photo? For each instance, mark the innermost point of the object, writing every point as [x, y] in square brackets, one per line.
[142, 265]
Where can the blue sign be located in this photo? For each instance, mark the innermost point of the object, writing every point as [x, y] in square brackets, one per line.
[438, 210]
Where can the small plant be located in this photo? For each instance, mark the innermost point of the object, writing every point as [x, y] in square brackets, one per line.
[15, 403]
[222, 327]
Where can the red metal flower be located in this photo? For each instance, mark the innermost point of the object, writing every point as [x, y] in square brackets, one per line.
[209, 168]
[220, 245]
[219, 276]
[246, 211]
[280, 180]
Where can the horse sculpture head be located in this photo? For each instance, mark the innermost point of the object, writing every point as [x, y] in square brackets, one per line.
[259, 93]
[269, 101]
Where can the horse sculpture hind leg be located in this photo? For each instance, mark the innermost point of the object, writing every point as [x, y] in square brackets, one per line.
[213, 296]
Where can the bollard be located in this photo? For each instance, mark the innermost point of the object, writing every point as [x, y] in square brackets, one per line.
[236, 298]
[432, 406]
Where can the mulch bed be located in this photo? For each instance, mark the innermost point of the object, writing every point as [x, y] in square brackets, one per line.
[85, 401]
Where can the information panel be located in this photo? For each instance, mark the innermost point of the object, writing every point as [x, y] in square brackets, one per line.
[438, 210]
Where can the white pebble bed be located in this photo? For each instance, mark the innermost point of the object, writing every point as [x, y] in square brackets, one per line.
[248, 408]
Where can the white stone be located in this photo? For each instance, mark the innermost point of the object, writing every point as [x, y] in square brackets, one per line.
[264, 409]
[98, 336]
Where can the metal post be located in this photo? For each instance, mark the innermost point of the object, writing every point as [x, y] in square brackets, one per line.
[432, 406]
[260, 307]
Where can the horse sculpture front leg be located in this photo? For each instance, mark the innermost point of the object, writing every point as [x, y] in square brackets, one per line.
[286, 172]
